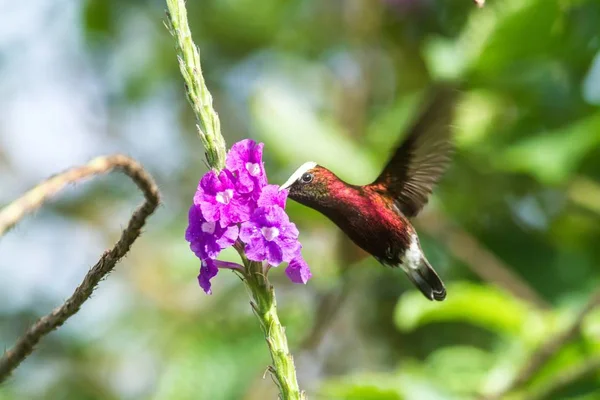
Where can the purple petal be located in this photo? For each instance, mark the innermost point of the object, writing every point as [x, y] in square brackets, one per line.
[209, 184]
[194, 218]
[206, 239]
[229, 236]
[210, 211]
[255, 166]
[208, 270]
[226, 179]
[244, 159]
[274, 255]
[212, 248]
[228, 265]
[272, 196]
[238, 210]
[289, 231]
[255, 249]
[245, 183]
[199, 249]
[270, 236]
[290, 249]
[298, 271]
[248, 230]
[219, 200]
[243, 152]
[239, 154]
[256, 153]
[270, 216]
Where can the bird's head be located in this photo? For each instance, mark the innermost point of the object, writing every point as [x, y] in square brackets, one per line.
[310, 184]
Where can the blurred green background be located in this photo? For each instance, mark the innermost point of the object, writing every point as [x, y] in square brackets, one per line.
[513, 228]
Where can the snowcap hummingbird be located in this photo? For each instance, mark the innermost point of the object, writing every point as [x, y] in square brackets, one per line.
[376, 216]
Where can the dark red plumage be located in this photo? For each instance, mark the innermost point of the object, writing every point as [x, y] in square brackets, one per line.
[375, 216]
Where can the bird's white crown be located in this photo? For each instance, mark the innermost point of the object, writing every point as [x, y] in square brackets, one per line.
[307, 166]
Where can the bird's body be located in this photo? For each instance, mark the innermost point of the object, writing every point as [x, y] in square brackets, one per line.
[372, 221]
[375, 216]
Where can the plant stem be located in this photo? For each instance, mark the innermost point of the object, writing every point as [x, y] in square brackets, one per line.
[36, 197]
[265, 308]
[209, 126]
[263, 295]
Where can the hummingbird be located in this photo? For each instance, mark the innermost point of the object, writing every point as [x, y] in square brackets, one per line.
[376, 217]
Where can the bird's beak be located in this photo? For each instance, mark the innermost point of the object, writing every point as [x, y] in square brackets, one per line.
[288, 183]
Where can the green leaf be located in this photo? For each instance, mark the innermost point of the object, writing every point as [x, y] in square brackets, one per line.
[444, 58]
[358, 391]
[531, 24]
[480, 305]
[591, 328]
[460, 369]
[384, 386]
[555, 156]
[410, 382]
[480, 30]
[476, 116]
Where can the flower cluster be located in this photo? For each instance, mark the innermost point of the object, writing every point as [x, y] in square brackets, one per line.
[238, 204]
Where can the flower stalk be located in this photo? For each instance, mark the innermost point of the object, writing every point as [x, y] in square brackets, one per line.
[206, 237]
[264, 306]
[188, 55]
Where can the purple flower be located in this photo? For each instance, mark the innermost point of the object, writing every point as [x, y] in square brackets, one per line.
[272, 196]
[220, 201]
[208, 238]
[245, 161]
[240, 195]
[269, 235]
[208, 270]
[298, 270]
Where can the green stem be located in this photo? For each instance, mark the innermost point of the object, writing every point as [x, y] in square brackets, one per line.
[209, 128]
[265, 308]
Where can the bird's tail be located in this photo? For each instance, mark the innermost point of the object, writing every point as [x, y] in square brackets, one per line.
[427, 280]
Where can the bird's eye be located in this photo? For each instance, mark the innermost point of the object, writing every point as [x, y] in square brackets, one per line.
[306, 177]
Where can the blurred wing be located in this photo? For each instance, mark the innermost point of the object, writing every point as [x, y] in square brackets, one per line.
[423, 156]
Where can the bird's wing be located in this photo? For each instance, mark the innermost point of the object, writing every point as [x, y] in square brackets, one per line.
[423, 156]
